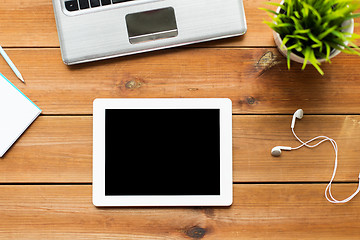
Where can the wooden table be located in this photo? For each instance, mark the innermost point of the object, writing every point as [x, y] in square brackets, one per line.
[45, 190]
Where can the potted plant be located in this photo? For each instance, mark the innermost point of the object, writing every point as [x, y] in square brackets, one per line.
[314, 31]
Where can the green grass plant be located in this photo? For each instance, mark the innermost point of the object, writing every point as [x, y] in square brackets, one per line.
[313, 28]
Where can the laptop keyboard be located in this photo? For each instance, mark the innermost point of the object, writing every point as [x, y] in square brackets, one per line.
[75, 5]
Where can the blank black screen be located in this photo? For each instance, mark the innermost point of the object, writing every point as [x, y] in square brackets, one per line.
[162, 152]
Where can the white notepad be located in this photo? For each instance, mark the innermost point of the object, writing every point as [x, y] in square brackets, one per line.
[17, 112]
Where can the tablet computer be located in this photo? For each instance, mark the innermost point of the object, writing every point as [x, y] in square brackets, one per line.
[162, 152]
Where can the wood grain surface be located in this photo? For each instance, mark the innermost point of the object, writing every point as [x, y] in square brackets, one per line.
[268, 211]
[58, 149]
[239, 74]
[45, 178]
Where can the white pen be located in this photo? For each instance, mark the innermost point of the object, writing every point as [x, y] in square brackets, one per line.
[11, 64]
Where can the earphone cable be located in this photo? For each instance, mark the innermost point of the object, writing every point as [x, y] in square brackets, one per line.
[328, 194]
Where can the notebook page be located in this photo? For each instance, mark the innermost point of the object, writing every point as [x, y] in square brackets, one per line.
[17, 112]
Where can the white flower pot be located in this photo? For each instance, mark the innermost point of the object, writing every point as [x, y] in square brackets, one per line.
[296, 58]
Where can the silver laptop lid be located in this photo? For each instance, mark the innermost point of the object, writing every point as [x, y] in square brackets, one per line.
[98, 29]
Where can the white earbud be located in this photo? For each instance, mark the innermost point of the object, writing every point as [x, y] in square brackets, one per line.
[276, 151]
[298, 114]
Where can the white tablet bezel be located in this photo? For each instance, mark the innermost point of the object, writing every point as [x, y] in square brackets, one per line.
[225, 197]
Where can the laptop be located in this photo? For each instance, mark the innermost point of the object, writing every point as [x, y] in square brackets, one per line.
[92, 30]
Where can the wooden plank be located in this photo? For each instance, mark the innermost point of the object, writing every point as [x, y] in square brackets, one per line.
[53, 149]
[59, 149]
[27, 23]
[238, 74]
[255, 136]
[258, 34]
[259, 212]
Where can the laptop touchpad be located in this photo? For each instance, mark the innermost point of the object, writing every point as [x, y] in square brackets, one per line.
[151, 25]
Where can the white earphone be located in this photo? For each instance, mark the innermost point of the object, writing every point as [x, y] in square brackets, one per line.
[276, 152]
